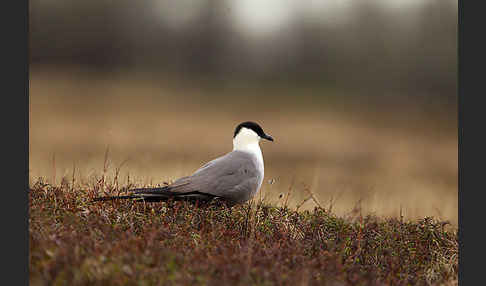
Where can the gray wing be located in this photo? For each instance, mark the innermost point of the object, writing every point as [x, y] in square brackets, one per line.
[233, 176]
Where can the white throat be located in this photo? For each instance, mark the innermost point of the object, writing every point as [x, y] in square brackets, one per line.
[247, 140]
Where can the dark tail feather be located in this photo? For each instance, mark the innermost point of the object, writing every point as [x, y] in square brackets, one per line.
[159, 194]
[146, 194]
[162, 191]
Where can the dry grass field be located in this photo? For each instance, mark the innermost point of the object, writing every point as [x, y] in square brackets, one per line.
[383, 156]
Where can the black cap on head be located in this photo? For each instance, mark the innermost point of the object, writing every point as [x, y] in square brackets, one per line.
[253, 126]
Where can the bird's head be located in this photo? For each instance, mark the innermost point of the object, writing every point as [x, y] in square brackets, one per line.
[248, 133]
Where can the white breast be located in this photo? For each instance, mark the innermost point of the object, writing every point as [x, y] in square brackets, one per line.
[256, 152]
[247, 141]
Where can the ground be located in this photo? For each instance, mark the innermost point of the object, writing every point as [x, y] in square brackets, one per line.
[75, 241]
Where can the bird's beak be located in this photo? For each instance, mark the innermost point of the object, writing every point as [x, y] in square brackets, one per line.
[268, 137]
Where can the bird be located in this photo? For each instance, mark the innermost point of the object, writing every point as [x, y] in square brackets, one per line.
[234, 178]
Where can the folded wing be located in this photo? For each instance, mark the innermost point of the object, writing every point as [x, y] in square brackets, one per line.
[233, 177]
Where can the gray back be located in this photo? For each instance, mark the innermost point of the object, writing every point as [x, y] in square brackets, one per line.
[233, 176]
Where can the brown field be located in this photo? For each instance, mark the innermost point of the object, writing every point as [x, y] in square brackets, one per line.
[348, 151]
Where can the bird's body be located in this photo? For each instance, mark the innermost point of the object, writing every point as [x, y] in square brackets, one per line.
[234, 177]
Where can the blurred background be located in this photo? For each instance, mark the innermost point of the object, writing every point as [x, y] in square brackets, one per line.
[359, 95]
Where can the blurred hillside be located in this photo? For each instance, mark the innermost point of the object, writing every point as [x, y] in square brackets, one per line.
[377, 46]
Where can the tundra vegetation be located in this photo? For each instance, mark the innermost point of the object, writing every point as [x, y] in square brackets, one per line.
[75, 241]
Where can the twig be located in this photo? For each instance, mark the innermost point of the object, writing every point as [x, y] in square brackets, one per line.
[105, 168]
[331, 202]
[401, 214]
[117, 172]
[303, 202]
[313, 197]
[54, 169]
[290, 191]
[74, 172]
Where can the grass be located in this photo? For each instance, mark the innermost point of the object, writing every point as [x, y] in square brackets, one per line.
[74, 241]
